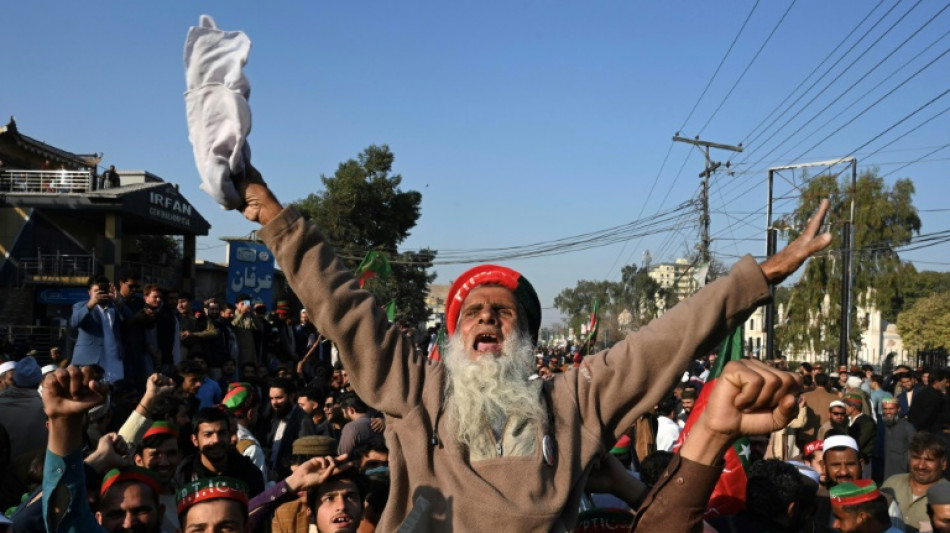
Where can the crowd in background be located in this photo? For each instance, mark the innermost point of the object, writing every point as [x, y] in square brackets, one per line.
[197, 391]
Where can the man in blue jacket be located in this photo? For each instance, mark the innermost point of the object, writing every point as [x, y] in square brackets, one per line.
[98, 322]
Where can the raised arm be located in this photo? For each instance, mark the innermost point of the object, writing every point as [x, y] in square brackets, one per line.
[616, 386]
[386, 370]
[67, 395]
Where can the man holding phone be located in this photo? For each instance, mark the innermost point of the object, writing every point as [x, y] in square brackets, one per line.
[249, 332]
[99, 323]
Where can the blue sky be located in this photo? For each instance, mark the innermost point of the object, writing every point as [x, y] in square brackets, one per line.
[519, 122]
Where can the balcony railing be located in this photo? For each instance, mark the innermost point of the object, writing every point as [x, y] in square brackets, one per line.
[46, 181]
[58, 268]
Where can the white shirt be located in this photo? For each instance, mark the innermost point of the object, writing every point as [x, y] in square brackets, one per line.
[667, 431]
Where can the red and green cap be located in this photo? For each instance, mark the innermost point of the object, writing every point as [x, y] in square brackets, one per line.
[210, 488]
[494, 275]
[161, 427]
[854, 400]
[239, 398]
[854, 492]
[135, 474]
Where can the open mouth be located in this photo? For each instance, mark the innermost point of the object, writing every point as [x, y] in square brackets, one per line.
[342, 520]
[487, 342]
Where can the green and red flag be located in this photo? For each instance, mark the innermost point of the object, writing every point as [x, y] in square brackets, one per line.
[373, 265]
[435, 351]
[592, 325]
[728, 498]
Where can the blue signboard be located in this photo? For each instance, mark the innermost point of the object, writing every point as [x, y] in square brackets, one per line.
[62, 295]
[251, 271]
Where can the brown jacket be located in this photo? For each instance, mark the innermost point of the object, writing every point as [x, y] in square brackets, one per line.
[816, 403]
[291, 517]
[592, 405]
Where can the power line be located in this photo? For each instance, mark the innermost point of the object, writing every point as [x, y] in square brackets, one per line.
[810, 74]
[744, 71]
[721, 62]
[828, 86]
[832, 82]
[834, 100]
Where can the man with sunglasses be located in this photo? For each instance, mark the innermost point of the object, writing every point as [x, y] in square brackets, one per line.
[837, 420]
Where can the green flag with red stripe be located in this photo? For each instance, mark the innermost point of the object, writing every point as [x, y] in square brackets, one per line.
[373, 265]
[728, 497]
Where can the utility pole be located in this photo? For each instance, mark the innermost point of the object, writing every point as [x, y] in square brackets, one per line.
[711, 167]
[847, 274]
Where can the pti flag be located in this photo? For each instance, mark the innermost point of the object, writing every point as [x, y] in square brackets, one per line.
[592, 327]
[728, 497]
[435, 351]
[373, 265]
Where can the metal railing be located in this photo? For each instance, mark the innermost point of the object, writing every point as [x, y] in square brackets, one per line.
[40, 338]
[58, 266]
[46, 181]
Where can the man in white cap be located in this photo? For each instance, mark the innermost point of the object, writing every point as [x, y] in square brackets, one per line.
[21, 413]
[843, 463]
[6, 374]
[837, 420]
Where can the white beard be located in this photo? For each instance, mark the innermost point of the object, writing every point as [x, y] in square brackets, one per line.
[485, 393]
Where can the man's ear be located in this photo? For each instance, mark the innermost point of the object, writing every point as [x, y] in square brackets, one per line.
[99, 517]
[194, 440]
[138, 460]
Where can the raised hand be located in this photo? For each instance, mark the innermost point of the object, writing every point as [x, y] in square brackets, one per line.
[316, 471]
[749, 398]
[260, 204]
[111, 452]
[781, 265]
[70, 392]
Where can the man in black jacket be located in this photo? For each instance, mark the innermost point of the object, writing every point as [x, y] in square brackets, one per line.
[216, 456]
[927, 410]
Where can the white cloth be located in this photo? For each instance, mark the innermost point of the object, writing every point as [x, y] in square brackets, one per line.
[254, 452]
[667, 431]
[219, 117]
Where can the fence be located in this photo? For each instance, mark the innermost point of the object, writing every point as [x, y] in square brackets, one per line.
[46, 181]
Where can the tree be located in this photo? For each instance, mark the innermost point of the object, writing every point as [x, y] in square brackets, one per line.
[363, 208]
[926, 325]
[885, 219]
[636, 293]
[158, 250]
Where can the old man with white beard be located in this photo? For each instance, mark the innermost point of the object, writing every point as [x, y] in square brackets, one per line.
[477, 446]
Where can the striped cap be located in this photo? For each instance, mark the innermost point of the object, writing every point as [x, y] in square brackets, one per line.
[210, 488]
[134, 474]
[890, 400]
[853, 492]
[494, 275]
[161, 427]
[239, 398]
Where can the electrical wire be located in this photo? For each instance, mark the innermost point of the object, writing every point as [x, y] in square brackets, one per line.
[751, 62]
[721, 63]
[841, 73]
[745, 139]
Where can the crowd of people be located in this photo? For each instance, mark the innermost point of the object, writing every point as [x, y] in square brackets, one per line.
[170, 416]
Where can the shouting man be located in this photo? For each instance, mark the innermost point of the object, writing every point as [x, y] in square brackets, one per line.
[475, 433]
